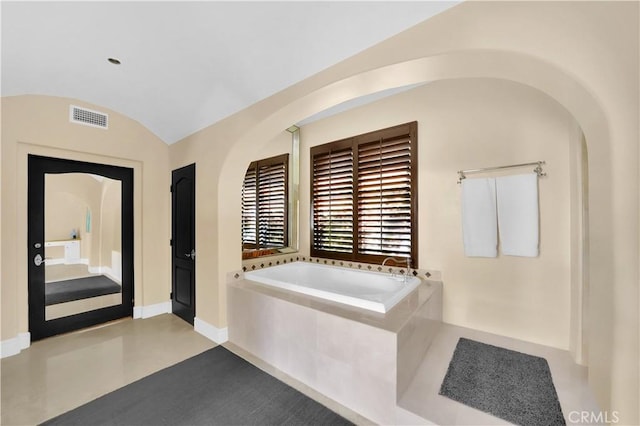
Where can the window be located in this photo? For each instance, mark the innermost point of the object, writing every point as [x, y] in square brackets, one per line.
[363, 193]
[264, 204]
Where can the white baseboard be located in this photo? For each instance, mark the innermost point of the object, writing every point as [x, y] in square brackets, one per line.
[107, 271]
[14, 345]
[152, 310]
[104, 270]
[218, 335]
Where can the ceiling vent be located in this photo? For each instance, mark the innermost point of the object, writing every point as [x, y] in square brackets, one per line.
[88, 117]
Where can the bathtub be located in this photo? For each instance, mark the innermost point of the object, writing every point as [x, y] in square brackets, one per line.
[374, 291]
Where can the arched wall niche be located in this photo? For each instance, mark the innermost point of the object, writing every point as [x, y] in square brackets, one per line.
[510, 66]
[538, 74]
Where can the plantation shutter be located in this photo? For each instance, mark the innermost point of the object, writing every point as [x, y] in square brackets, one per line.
[364, 196]
[384, 197]
[264, 204]
[272, 205]
[333, 200]
[249, 210]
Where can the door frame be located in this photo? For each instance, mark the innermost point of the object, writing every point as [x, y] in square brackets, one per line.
[38, 166]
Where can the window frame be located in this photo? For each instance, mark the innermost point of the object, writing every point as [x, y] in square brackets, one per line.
[407, 129]
[257, 165]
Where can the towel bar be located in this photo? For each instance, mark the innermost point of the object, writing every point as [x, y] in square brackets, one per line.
[462, 173]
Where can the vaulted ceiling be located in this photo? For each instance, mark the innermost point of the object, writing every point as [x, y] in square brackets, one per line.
[186, 65]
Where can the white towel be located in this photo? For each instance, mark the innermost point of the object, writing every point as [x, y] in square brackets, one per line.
[518, 214]
[479, 223]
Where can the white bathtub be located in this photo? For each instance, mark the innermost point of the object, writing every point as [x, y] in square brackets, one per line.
[375, 291]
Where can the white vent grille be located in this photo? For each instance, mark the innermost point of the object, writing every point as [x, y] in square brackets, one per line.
[88, 117]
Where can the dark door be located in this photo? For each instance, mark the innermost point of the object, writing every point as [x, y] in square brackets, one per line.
[183, 247]
[45, 316]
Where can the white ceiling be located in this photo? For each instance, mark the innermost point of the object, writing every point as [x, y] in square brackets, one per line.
[186, 65]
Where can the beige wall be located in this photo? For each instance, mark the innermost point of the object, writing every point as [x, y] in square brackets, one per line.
[466, 124]
[68, 196]
[584, 55]
[40, 125]
[64, 211]
[110, 221]
[280, 144]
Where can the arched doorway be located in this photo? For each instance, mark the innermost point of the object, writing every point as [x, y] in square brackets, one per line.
[486, 64]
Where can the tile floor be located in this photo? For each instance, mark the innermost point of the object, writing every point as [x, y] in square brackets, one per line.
[421, 397]
[63, 272]
[60, 373]
[57, 374]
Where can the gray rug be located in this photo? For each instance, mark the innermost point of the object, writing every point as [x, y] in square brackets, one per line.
[214, 388]
[511, 385]
[79, 288]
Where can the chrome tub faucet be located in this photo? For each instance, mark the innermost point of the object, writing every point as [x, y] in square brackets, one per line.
[397, 261]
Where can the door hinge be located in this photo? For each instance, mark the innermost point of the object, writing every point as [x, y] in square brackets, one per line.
[171, 296]
[170, 188]
[171, 242]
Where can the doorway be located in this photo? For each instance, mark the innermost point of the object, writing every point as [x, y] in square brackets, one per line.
[183, 242]
[80, 242]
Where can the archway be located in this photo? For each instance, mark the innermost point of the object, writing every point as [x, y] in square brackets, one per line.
[512, 66]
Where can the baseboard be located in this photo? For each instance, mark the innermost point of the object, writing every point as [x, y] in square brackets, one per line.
[106, 271]
[218, 335]
[13, 346]
[152, 310]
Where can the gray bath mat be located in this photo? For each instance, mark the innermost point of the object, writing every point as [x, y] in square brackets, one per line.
[511, 385]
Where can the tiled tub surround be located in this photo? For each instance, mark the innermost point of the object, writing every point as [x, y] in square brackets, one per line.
[361, 359]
